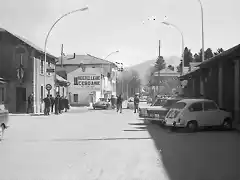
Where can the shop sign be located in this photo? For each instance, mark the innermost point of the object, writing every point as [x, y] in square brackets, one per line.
[88, 81]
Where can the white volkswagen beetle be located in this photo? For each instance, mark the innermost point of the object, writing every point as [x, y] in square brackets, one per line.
[195, 113]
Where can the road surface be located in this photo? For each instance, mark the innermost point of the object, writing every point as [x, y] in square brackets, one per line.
[104, 145]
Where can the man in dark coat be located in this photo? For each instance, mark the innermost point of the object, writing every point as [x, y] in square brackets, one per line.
[119, 103]
[52, 102]
[136, 103]
[47, 102]
[30, 104]
[57, 99]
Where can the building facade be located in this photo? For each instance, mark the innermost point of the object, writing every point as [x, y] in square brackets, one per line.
[22, 65]
[166, 83]
[89, 77]
[218, 79]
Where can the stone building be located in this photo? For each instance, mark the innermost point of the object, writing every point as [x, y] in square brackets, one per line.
[22, 66]
[89, 78]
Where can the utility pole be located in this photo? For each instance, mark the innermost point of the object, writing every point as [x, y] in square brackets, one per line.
[159, 55]
[62, 56]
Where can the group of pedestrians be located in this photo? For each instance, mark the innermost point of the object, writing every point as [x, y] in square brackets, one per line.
[57, 104]
[120, 101]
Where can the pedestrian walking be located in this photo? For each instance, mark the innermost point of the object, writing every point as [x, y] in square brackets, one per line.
[47, 103]
[52, 102]
[136, 103]
[30, 104]
[57, 104]
[119, 103]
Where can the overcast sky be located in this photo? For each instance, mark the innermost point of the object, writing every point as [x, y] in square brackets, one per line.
[112, 25]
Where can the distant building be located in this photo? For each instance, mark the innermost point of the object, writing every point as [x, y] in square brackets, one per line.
[22, 67]
[168, 82]
[90, 78]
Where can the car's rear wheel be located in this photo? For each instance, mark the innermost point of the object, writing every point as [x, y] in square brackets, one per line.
[192, 126]
[227, 124]
[1, 132]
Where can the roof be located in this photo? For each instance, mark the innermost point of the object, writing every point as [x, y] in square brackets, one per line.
[167, 71]
[84, 59]
[230, 53]
[27, 42]
[190, 73]
[193, 100]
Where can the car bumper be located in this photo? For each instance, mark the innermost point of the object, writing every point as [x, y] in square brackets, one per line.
[173, 123]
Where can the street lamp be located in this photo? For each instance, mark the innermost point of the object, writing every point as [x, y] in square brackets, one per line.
[202, 30]
[46, 39]
[111, 54]
[169, 24]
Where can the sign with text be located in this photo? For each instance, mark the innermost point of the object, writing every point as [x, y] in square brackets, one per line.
[88, 81]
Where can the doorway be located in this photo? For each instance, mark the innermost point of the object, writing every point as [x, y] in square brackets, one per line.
[21, 100]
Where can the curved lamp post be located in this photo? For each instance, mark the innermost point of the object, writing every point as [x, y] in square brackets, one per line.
[46, 39]
[202, 30]
[111, 54]
[169, 24]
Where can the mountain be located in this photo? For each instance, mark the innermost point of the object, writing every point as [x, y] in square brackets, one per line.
[144, 67]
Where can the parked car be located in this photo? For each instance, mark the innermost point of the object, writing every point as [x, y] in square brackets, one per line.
[157, 104]
[158, 114]
[130, 103]
[101, 104]
[3, 120]
[196, 113]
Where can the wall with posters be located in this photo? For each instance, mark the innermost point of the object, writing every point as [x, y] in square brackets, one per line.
[85, 86]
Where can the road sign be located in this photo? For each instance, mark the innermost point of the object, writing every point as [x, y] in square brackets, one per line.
[50, 70]
[48, 87]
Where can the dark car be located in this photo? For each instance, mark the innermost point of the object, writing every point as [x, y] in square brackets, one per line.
[101, 104]
[160, 113]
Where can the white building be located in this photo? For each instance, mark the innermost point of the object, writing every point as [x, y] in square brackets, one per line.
[90, 78]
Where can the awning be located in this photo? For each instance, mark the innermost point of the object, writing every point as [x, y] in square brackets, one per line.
[59, 78]
[2, 81]
[61, 81]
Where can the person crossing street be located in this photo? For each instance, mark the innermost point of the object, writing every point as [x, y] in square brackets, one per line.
[136, 103]
[119, 103]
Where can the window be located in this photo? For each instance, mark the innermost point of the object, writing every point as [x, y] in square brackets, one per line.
[196, 107]
[75, 97]
[159, 102]
[75, 81]
[179, 105]
[41, 93]
[170, 102]
[49, 66]
[2, 94]
[41, 66]
[210, 106]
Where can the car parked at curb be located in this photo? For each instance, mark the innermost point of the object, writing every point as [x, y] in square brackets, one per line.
[101, 104]
[195, 113]
[158, 114]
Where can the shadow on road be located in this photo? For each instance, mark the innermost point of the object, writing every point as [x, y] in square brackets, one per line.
[136, 130]
[213, 155]
[88, 139]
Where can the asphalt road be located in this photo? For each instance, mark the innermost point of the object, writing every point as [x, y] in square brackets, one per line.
[104, 145]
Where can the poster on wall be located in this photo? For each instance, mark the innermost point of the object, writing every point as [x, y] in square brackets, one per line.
[88, 81]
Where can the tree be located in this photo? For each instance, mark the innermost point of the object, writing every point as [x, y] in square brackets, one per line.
[179, 68]
[160, 64]
[171, 67]
[208, 53]
[188, 57]
[219, 50]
